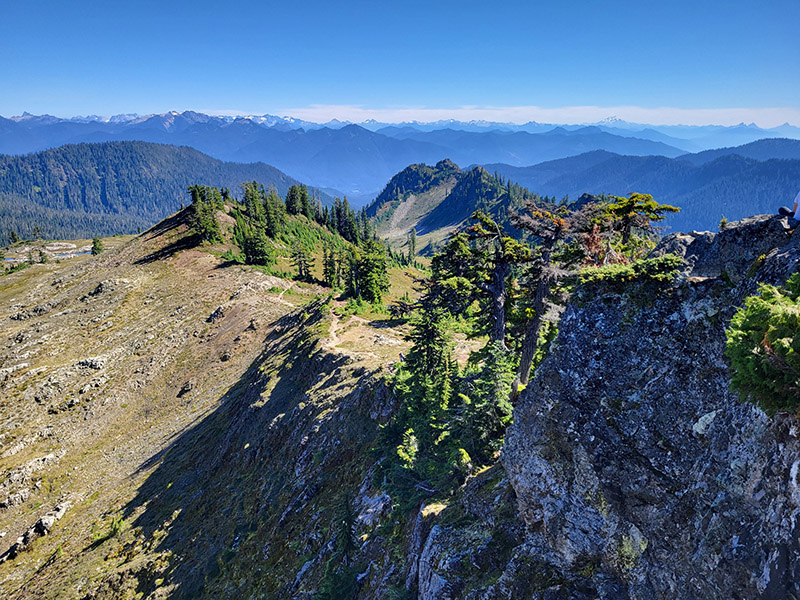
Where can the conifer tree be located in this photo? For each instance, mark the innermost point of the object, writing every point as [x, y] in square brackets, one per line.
[256, 248]
[636, 212]
[294, 202]
[372, 272]
[412, 245]
[202, 217]
[302, 262]
[330, 267]
[254, 203]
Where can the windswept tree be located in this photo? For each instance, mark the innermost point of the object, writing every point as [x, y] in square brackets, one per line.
[637, 211]
[485, 255]
[548, 228]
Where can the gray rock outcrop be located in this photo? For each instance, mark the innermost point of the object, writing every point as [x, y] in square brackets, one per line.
[638, 473]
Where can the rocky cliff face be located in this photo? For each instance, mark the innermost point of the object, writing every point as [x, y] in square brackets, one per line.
[637, 472]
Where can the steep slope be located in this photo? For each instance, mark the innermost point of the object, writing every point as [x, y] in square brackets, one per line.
[437, 200]
[171, 419]
[101, 189]
[412, 194]
[178, 428]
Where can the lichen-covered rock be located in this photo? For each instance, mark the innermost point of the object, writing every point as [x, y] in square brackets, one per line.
[633, 462]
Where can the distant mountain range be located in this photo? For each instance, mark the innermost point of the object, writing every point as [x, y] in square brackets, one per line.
[731, 182]
[78, 191]
[357, 160]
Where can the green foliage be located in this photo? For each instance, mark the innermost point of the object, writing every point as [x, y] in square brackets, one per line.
[80, 190]
[340, 580]
[97, 246]
[372, 272]
[339, 583]
[115, 528]
[636, 211]
[302, 261]
[412, 245]
[661, 269]
[763, 347]
[202, 214]
[257, 249]
[16, 267]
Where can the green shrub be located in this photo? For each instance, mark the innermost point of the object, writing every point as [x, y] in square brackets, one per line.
[661, 269]
[764, 348]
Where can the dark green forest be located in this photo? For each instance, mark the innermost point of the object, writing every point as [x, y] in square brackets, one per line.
[354, 260]
[83, 190]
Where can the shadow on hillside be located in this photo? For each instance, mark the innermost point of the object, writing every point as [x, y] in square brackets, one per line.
[222, 480]
[394, 322]
[170, 224]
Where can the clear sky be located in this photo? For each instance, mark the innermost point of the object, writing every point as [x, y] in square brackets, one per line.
[583, 60]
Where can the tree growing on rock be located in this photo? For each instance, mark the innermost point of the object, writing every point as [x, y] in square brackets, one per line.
[637, 211]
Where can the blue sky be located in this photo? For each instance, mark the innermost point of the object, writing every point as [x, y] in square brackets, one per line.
[648, 61]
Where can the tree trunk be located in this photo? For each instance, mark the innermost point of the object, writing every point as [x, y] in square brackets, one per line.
[497, 288]
[531, 341]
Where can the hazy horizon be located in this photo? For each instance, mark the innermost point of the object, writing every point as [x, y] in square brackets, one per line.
[590, 115]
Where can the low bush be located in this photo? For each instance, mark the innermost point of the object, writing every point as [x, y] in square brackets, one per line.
[763, 347]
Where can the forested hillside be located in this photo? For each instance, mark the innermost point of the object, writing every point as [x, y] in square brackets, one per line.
[85, 190]
[434, 201]
[730, 185]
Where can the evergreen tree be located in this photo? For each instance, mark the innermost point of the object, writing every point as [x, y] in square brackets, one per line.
[330, 267]
[298, 202]
[372, 272]
[257, 249]
[97, 246]
[302, 262]
[202, 218]
[274, 214]
[254, 203]
[412, 246]
[636, 212]
[484, 255]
